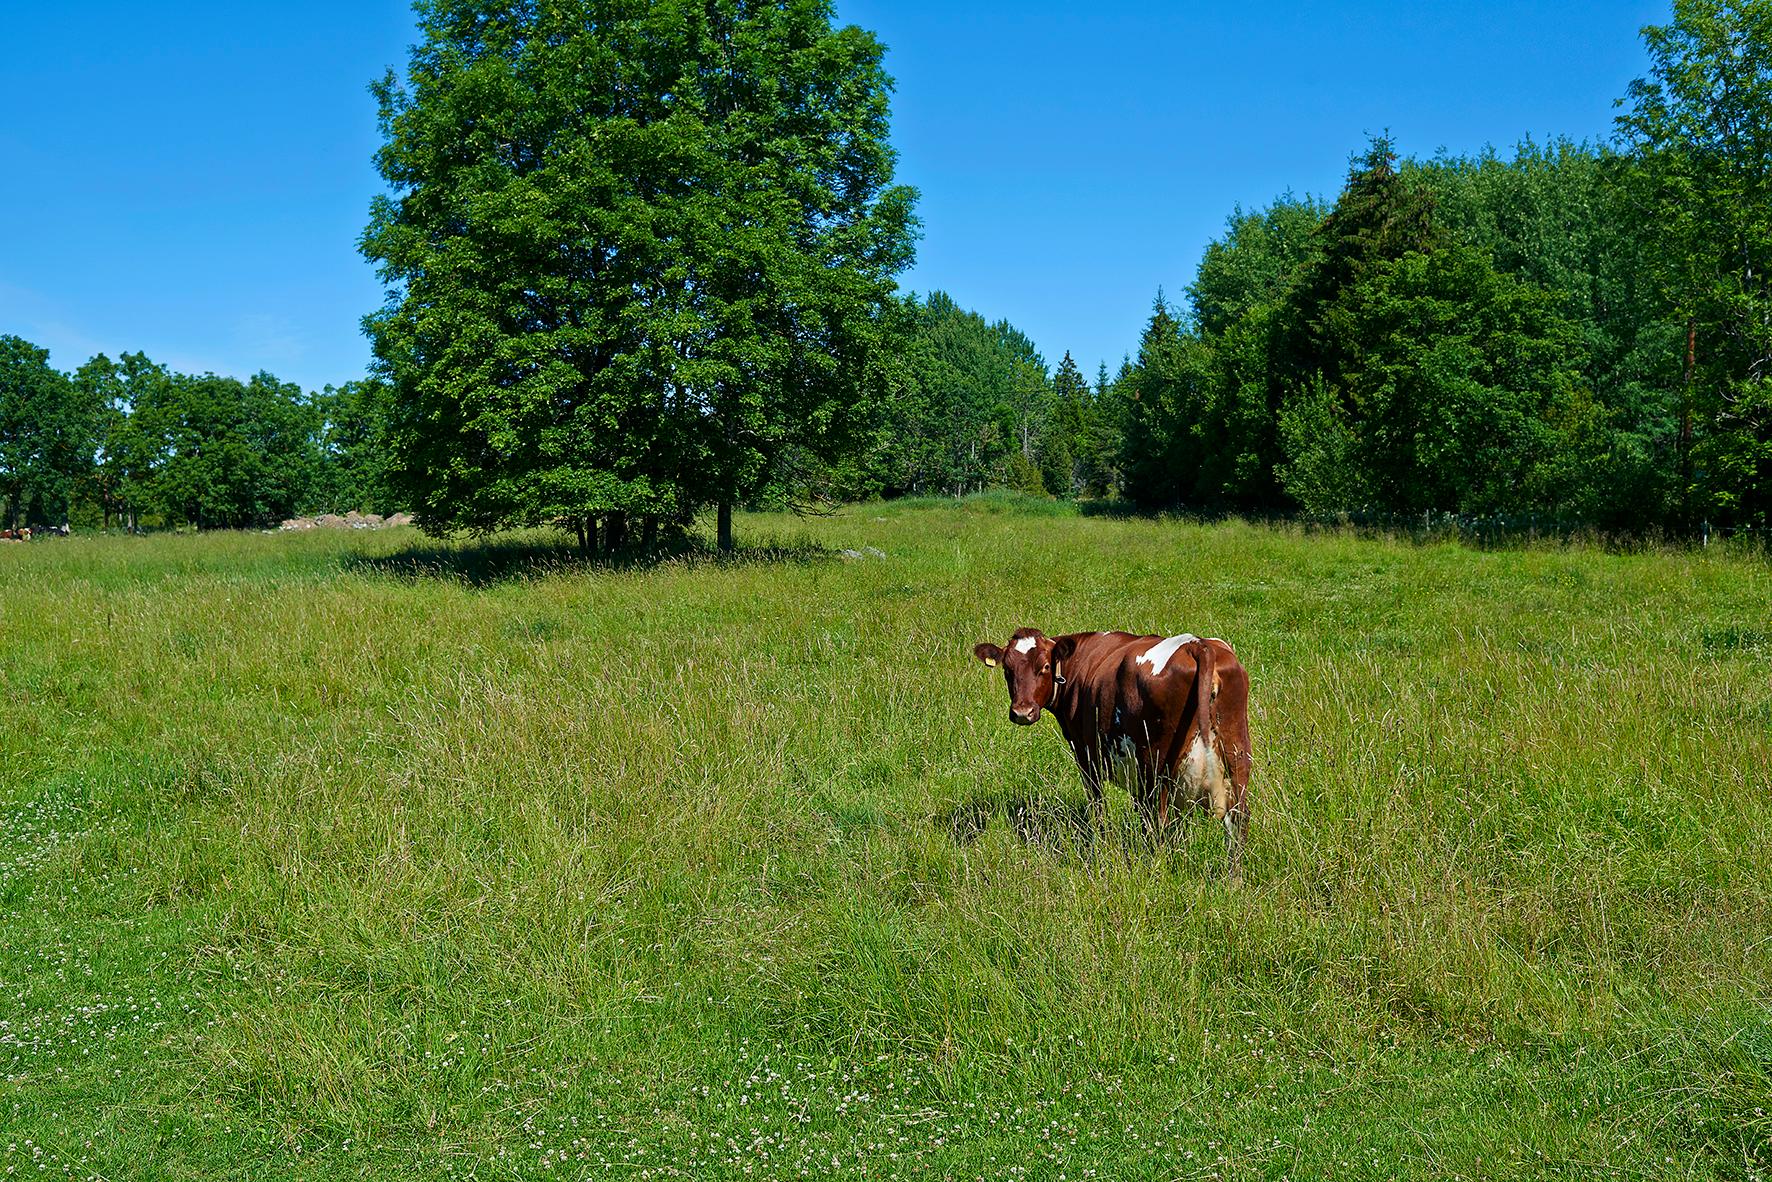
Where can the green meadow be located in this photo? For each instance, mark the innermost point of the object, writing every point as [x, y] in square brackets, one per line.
[357, 854]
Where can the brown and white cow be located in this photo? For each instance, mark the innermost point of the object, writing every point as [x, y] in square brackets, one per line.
[1162, 715]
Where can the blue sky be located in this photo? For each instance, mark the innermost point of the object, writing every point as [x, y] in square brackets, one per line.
[190, 179]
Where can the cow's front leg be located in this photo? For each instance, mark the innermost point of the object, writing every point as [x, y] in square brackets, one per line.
[1089, 763]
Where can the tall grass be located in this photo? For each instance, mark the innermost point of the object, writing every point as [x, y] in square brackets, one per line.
[346, 855]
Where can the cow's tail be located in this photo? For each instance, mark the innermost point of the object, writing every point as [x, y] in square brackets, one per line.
[1235, 816]
[1206, 693]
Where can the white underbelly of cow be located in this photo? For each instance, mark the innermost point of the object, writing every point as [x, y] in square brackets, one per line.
[1122, 763]
[1200, 779]
[1203, 778]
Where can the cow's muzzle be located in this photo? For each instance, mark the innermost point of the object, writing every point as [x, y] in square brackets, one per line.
[1024, 718]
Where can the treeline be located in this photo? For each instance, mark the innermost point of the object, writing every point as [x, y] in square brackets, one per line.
[131, 444]
[1579, 331]
[1477, 336]
[966, 404]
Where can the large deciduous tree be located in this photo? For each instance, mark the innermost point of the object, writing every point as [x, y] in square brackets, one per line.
[637, 253]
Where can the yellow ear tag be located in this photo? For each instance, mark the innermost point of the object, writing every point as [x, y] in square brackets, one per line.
[991, 661]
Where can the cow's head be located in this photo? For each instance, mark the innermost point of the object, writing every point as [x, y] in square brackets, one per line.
[1033, 665]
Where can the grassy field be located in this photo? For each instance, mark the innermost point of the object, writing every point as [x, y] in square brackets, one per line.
[353, 854]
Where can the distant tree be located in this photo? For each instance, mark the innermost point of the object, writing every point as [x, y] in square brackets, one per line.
[1243, 282]
[1564, 218]
[907, 447]
[1159, 399]
[354, 450]
[126, 393]
[49, 429]
[233, 454]
[970, 391]
[1413, 376]
[1310, 339]
[1460, 396]
[1097, 448]
[1067, 435]
[637, 255]
[99, 382]
[1026, 410]
[1700, 129]
[1254, 263]
[1380, 217]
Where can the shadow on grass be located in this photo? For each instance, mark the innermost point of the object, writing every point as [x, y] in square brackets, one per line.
[1068, 831]
[1064, 828]
[996, 501]
[484, 562]
[1115, 509]
[1476, 532]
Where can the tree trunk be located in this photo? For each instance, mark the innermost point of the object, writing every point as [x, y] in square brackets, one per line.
[1685, 444]
[649, 531]
[615, 532]
[723, 531]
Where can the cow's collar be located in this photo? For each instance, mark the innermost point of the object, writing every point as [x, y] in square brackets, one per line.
[1057, 681]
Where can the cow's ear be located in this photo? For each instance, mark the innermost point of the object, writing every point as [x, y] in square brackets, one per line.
[1063, 647]
[990, 654]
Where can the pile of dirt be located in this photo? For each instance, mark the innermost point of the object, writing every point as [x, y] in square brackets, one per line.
[351, 520]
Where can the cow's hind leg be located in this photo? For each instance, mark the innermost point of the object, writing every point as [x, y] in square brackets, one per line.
[1236, 833]
[1236, 816]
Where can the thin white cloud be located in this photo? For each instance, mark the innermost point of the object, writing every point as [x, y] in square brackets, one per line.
[44, 322]
[38, 319]
[270, 340]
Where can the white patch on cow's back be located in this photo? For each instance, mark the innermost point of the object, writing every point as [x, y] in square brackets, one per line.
[1157, 657]
[1024, 645]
